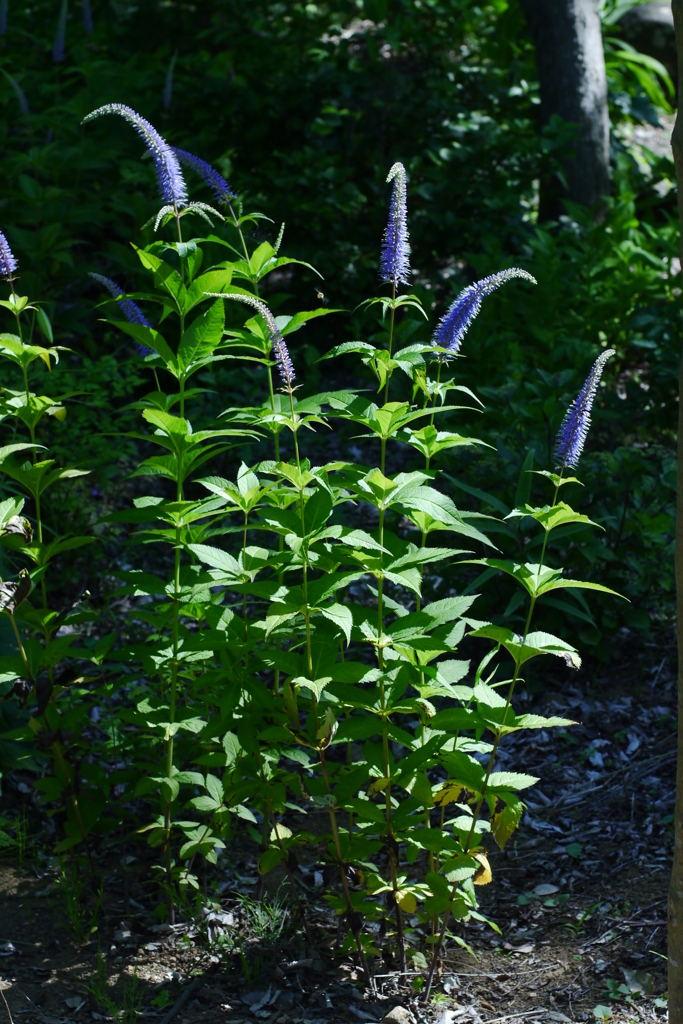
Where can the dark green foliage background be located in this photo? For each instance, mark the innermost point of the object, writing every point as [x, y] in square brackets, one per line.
[305, 107]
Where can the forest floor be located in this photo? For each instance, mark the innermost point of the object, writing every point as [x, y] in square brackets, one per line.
[579, 896]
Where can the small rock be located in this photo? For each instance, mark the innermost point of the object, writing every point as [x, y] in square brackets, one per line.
[399, 1015]
[7, 948]
[121, 935]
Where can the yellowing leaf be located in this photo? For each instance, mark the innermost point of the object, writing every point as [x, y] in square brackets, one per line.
[483, 875]
[406, 901]
[506, 818]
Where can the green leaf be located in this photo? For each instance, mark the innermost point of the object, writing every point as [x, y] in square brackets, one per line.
[152, 339]
[202, 337]
[211, 282]
[316, 686]
[341, 615]
[317, 510]
[569, 584]
[214, 788]
[523, 650]
[299, 319]
[530, 575]
[510, 780]
[349, 346]
[552, 516]
[44, 325]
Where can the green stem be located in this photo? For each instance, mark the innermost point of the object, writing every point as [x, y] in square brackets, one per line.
[181, 378]
[295, 887]
[272, 405]
[244, 562]
[489, 769]
[236, 222]
[391, 339]
[172, 708]
[392, 846]
[355, 922]
[21, 648]
[438, 381]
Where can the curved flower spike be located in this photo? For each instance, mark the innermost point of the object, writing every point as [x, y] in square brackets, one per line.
[280, 350]
[169, 176]
[130, 309]
[453, 326]
[573, 431]
[216, 182]
[60, 34]
[395, 259]
[8, 263]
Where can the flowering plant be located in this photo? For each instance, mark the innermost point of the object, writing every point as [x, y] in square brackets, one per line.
[290, 651]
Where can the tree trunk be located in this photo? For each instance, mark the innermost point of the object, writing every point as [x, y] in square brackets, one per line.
[571, 73]
[675, 938]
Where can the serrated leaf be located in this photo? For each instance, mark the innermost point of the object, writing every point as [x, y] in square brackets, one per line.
[511, 780]
[506, 818]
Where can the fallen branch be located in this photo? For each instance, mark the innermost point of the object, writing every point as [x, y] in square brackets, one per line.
[184, 996]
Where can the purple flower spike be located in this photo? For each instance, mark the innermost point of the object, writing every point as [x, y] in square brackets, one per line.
[216, 182]
[60, 34]
[573, 432]
[169, 176]
[87, 18]
[395, 259]
[8, 263]
[452, 327]
[280, 350]
[130, 310]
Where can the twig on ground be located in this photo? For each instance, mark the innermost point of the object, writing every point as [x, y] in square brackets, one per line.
[2, 993]
[522, 1013]
[184, 996]
[36, 1008]
[633, 923]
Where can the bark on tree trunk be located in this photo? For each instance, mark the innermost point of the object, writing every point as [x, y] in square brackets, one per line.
[571, 71]
[676, 887]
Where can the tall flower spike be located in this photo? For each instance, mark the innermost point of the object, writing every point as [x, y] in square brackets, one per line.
[216, 182]
[16, 88]
[280, 350]
[87, 18]
[60, 34]
[130, 310]
[169, 176]
[167, 95]
[453, 326]
[8, 263]
[395, 258]
[573, 431]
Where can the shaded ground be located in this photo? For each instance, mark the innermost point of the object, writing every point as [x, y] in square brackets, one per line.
[579, 896]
